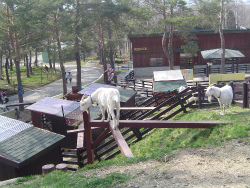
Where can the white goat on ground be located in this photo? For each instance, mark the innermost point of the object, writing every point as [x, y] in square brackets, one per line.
[107, 99]
[224, 96]
[182, 88]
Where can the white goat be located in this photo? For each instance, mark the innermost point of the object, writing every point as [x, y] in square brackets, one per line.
[224, 96]
[182, 88]
[107, 99]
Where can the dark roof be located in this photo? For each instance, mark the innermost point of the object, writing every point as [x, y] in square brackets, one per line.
[197, 32]
[92, 87]
[26, 145]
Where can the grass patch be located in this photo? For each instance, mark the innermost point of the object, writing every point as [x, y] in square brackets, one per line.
[155, 145]
[67, 179]
[39, 78]
[162, 141]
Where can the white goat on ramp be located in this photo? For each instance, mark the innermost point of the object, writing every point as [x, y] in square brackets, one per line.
[224, 96]
[107, 99]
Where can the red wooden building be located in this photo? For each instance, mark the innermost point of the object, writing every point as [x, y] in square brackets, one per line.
[147, 49]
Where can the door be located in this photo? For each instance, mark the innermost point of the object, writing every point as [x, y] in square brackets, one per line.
[186, 61]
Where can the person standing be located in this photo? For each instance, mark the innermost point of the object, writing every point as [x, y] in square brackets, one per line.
[66, 77]
[1, 101]
[5, 101]
[17, 114]
[70, 77]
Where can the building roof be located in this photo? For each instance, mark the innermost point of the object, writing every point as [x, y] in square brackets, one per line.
[92, 87]
[216, 53]
[54, 106]
[168, 80]
[197, 32]
[10, 127]
[27, 144]
[126, 94]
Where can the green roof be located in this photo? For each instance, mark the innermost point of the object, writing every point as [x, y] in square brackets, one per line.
[165, 86]
[27, 144]
[126, 94]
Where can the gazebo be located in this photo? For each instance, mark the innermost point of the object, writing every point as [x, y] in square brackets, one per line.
[229, 54]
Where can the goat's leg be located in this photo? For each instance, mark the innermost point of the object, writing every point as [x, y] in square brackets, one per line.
[223, 110]
[230, 107]
[103, 113]
[113, 117]
[108, 115]
[117, 114]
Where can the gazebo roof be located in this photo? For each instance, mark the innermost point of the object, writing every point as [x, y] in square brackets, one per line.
[24, 144]
[216, 54]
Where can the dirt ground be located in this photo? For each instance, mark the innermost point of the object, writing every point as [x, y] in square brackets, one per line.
[225, 166]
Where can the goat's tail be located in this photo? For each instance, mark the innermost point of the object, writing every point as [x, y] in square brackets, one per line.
[116, 98]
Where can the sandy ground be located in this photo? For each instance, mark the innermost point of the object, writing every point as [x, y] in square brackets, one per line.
[224, 166]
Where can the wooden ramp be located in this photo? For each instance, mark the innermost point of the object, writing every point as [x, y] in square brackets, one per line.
[122, 144]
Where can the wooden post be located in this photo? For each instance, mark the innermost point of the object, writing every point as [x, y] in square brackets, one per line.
[199, 96]
[48, 168]
[232, 85]
[88, 138]
[237, 65]
[244, 93]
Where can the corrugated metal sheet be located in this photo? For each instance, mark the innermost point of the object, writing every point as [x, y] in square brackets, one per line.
[53, 106]
[10, 127]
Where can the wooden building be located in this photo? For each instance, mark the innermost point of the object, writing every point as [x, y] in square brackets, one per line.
[24, 149]
[147, 49]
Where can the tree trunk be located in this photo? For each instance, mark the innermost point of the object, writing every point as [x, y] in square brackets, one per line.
[49, 54]
[30, 63]
[35, 63]
[164, 47]
[168, 52]
[77, 50]
[103, 54]
[60, 55]
[6, 70]
[1, 67]
[27, 65]
[16, 51]
[223, 60]
[111, 53]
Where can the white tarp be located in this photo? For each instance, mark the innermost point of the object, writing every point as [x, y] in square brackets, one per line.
[170, 75]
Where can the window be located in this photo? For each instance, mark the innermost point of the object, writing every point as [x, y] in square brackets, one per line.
[154, 62]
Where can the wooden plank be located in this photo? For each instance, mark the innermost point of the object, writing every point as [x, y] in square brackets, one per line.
[125, 150]
[80, 137]
[158, 124]
[137, 108]
[88, 138]
[74, 131]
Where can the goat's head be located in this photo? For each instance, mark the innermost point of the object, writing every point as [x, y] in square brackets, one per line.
[209, 92]
[85, 104]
